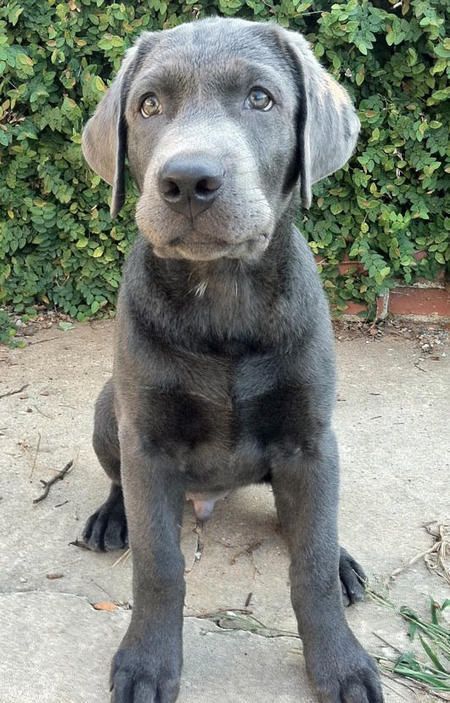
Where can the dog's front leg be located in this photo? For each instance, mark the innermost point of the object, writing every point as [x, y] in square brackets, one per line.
[306, 494]
[147, 666]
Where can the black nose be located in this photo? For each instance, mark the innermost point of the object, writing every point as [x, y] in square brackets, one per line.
[190, 183]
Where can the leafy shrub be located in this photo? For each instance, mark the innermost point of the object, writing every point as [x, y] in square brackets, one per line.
[58, 245]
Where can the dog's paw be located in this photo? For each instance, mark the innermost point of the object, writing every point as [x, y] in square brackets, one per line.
[106, 530]
[136, 679]
[345, 673]
[352, 578]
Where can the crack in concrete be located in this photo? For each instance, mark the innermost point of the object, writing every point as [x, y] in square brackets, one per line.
[226, 621]
[242, 621]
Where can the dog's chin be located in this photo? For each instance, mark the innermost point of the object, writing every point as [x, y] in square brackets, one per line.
[250, 249]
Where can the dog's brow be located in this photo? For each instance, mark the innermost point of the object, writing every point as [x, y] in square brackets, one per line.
[230, 74]
[166, 81]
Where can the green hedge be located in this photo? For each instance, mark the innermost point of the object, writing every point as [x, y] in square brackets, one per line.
[57, 243]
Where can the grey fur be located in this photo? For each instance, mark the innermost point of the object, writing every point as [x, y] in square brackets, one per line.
[224, 359]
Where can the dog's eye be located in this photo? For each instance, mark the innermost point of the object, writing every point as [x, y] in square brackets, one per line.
[259, 99]
[150, 106]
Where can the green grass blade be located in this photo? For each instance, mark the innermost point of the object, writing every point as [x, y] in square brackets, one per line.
[432, 655]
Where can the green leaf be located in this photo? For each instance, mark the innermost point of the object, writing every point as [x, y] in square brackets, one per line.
[439, 96]
[99, 84]
[14, 13]
[65, 326]
[58, 245]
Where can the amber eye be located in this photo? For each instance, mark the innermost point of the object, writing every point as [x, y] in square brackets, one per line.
[259, 99]
[150, 106]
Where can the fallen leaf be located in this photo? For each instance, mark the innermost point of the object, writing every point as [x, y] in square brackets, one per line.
[105, 605]
[65, 326]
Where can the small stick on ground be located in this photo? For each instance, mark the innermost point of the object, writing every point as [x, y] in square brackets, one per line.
[387, 675]
[246, 551]
[78, 543]
[392, 646]
[49, 417]
[59, 505]
[35, 455]
[438, 560]
[198, 546]
[123, 557]
[412, 561]
[48, 484]
[391, 688]
[42, 341]
[435, 557]
[5, 395]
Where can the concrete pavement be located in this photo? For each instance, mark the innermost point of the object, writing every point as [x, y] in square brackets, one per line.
[392, 422]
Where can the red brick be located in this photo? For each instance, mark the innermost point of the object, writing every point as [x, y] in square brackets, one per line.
[354, 308]
[347, 265]
[426, 302]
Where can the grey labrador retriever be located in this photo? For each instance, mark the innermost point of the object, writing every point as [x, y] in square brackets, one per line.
[224, 361]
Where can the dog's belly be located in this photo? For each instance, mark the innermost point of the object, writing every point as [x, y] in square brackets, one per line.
[215, 468]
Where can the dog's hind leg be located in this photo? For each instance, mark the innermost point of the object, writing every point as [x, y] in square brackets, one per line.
[106, 529]
[352, 577]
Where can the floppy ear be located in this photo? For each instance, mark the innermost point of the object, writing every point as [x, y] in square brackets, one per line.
[327, 121]
[104, 139]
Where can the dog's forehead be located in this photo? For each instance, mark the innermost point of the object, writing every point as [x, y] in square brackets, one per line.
[213, 49]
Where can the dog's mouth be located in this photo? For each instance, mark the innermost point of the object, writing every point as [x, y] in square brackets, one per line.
[212, 248]
[212, 242]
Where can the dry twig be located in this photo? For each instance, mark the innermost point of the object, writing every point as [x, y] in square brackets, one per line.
[435, 557]
[48, 484]
[35, 455]
[246, 551]
[5, 395]
[123, 557]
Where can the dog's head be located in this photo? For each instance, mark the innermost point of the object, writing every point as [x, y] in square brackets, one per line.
[222, 121]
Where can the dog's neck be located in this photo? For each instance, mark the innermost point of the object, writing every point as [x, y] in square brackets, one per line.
[223, 300]
[225, 277]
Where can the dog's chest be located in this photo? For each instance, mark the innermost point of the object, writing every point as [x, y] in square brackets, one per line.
[223, 420]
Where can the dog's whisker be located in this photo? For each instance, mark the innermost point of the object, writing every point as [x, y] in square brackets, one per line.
[200, 289]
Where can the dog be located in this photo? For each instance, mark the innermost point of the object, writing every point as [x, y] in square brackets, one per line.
[224, 360]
